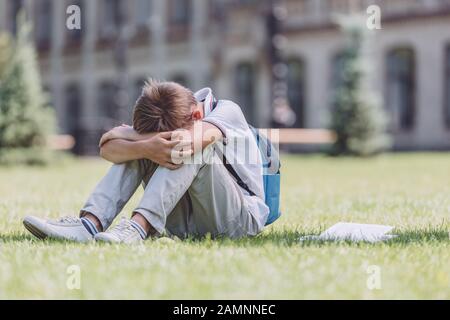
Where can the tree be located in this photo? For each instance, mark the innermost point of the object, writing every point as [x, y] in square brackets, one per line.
[25, 117]
[5, 52]
[357, 114]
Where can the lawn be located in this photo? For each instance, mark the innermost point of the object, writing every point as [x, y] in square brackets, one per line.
[408, 191]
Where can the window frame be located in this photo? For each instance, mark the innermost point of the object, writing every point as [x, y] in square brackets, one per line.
[398, 123]
[14, 7]
[248, 110]
[173, 19]
[73, 96]
[137, 13]
[72, 90]
[109, 26]
[181, 77]
[300, 121]
[46, 6]
[107, 108]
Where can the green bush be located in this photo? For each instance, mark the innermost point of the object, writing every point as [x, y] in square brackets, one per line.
[25, 116]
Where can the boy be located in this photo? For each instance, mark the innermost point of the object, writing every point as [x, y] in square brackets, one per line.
[190, 199]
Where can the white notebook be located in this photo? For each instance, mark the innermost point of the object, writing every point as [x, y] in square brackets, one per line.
[354, 232]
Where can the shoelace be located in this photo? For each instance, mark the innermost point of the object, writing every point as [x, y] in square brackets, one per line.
[68, 219]
[123, 229]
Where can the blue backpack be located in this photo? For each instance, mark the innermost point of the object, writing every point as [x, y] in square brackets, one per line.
[271, 175]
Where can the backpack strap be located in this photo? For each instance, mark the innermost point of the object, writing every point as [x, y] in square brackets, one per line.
[233, 172]
[229, 167]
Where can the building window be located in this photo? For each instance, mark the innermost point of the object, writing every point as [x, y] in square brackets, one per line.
[142, 12]
[107, 104]
[44, 23]
[181, 79]
[296, 91]
[180, 12]
[111, 18]
[245, 92]
[337, 81]
[14, 8]
[447, 87]
[401, 87]
[73, 124]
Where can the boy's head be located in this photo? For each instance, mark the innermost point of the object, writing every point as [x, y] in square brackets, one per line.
[165, 106]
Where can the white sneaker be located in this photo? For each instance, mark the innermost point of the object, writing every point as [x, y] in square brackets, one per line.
[123, 232]
[66, 228]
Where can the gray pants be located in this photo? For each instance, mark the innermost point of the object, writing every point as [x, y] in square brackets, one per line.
[194, 200]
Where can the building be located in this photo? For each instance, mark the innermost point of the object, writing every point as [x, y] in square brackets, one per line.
[223, 44]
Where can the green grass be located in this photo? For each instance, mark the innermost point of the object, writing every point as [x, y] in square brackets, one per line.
[409, 191]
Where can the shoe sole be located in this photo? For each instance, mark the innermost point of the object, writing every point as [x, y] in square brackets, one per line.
[102, 239]
[34, 231]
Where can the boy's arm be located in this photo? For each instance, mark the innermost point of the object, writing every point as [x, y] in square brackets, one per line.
[124, 132]
[210, 133]
[123, 144]
[119, 151]
[157, 148]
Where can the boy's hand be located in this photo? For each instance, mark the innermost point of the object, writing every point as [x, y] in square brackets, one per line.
[124, 131]
[166, 150]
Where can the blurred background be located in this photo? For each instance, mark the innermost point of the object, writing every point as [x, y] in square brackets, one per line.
[281, 60]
